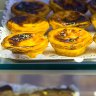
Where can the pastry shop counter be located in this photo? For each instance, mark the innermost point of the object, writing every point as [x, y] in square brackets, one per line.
[23, 43]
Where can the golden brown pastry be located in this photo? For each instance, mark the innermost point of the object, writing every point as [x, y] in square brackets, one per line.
[25, 43]
[30, 7]
[75, 5]
[70, 41]
[33, 24]
[69, 19]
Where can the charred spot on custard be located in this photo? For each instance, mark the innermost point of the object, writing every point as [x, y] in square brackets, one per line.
[62, 37]
[74, 20]
[19, 19]
[69, 5]
[29, 7]
[74, 17]
[20, 37]
[70, 18]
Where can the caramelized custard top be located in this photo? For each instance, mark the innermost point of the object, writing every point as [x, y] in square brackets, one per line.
[69, 5]
[20, 20]
[29, 7]
[19, 38]
[69, 17]
[67, 36]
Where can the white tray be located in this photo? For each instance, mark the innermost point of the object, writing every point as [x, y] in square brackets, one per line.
[49, 53]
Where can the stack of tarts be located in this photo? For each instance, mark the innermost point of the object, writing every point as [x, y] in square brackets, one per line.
[68, 36]
[30, 7]
[27, 29]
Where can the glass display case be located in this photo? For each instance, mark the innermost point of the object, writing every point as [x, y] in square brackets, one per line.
[88, 58]
[84, 82]
[79, 72]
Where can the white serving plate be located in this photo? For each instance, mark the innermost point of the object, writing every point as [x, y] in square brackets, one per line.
[49, 53]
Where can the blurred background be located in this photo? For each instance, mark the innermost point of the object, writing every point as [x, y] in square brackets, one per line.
[85, 83]
[2, 4]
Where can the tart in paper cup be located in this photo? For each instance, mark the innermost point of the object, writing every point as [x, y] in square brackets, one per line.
[70, 41]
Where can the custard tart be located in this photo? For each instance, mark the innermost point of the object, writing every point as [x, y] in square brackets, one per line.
[33, 24]
[30, 7]
[69, 19]
[69, 41]
[25, 43]
[92, 6]
[59, 5]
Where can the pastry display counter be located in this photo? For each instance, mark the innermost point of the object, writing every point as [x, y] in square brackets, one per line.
[77, 76]
[72, 41]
